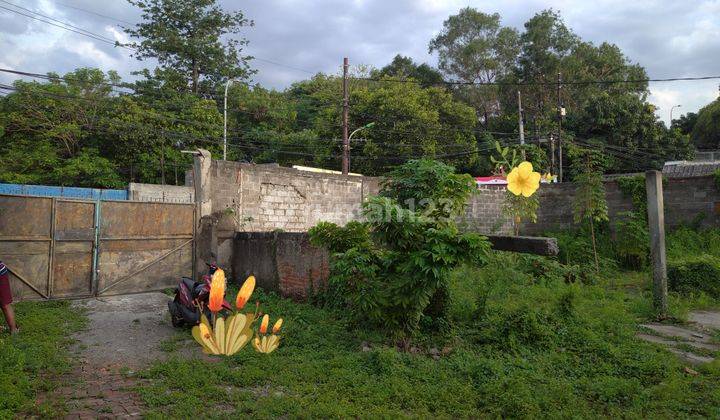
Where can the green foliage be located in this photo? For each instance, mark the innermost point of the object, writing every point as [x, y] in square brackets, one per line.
[507, 158]
[340, 239]
[632, 243]
[474, 47]
[389, 279]
[430, 188]
[31, 360]
[519, 208]
[685, 241]
[402, 67]
[634, 187]
[87, 169]
[576, 247]
[588, 166]
[694, 275]
[518, 348]
[86, 136]
[706, 131]
[192, 42]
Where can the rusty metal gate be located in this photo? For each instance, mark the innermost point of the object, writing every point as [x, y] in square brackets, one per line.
[64, 248]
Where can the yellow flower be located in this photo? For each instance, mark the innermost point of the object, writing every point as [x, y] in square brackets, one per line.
[264, 324]
[277, 326]
[523, 181]
[266, 344]
[217, 291]
[229, 335]
[245, 292]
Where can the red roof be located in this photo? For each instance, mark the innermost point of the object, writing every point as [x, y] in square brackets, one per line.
[491, 180]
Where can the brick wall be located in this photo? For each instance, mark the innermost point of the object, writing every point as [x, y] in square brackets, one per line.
[284, 262]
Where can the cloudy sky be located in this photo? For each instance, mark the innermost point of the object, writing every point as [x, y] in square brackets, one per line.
[294, 38]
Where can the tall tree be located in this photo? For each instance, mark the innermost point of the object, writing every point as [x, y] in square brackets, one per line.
[685, 123]
[473, 47]
[404, 67]
[189, 39]
[706, 132]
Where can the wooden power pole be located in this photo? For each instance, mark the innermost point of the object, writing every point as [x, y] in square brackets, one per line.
[346, 107]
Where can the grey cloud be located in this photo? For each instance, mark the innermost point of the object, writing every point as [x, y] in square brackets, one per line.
[667, 38]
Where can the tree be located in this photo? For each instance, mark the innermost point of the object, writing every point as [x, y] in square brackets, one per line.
[392, 269]
[188, 39]
[589, 205]
[706, 132]
[473, 47]
[628, 124]
[685, 123]
[405, 68]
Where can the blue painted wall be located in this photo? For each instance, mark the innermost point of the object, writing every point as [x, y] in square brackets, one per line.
[68, 192]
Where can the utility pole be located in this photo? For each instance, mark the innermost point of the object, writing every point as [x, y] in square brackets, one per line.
[520, 125]
[552, 153]
[561, 112]
[656, 224]
[346, 107]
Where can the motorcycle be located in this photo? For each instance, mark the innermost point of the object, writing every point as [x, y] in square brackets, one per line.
[191, 299]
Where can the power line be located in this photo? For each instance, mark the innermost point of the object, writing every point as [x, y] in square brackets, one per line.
[535, 83]
[80, 32]
[56, 20]
[94, 13]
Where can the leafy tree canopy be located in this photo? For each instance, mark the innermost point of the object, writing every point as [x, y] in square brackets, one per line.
[187, 38]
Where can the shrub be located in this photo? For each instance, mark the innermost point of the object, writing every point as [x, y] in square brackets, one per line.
[700, 274]
[632, 242]
[687, 241]
[391, 270]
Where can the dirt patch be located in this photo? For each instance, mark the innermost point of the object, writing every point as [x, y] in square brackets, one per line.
[124, 334]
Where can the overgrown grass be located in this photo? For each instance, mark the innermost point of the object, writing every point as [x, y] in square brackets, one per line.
[517, 346]
[31, 360]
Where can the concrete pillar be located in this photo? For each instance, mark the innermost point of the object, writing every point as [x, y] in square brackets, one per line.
[656, 224]
[204, 232]
[203, 182]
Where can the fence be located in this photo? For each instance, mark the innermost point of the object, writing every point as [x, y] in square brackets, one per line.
[66, 192]
[61, 248]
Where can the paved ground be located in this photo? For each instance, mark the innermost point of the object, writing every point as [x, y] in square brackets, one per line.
[125, 333]
[695, 343]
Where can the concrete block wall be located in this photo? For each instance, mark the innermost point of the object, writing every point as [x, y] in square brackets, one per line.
[484, 212]
[161, 193]
[684, 199]
[269, 198]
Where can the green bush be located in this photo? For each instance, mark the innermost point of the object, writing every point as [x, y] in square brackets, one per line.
[687, 241]
[699, 274]
[391, 272]
[632, 243]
